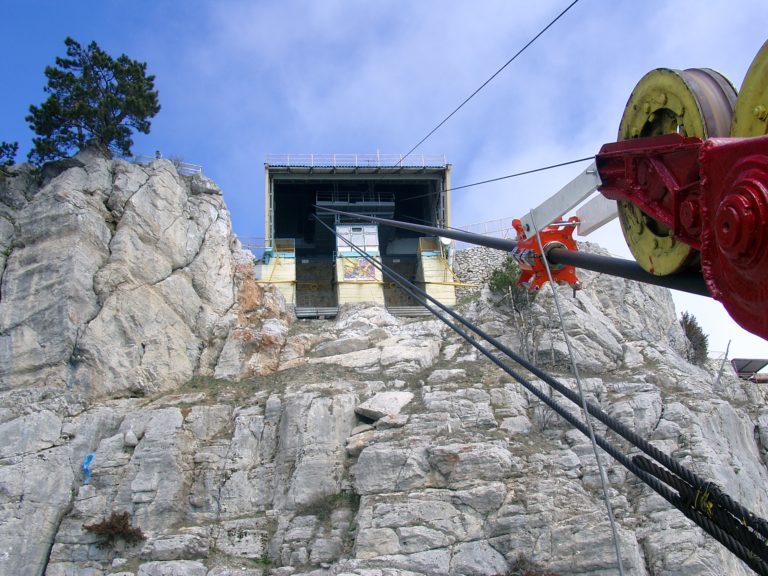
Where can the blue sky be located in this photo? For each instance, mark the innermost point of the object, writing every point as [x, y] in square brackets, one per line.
[239, 79]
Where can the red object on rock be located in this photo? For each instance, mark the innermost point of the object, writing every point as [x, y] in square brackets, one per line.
[527, 254]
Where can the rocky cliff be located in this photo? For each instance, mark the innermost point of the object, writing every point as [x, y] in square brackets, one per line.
[240, 442]
[120, 279]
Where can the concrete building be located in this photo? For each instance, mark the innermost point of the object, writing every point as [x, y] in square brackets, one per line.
[314, 268]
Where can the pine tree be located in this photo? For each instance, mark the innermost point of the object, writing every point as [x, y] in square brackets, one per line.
[7, 155]
[697, 347]
[93, 99]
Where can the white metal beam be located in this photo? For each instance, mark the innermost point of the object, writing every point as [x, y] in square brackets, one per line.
[595, 213]
[568, 197]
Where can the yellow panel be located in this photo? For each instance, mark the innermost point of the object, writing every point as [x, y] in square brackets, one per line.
[750, 117]
[696, 102]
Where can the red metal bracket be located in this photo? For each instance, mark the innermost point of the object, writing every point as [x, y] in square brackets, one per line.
[661, 176]
[734, 239]
[713, 196]
[527, 254]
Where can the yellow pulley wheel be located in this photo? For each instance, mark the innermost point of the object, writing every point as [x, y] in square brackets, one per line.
[695, 102]
[750, 117]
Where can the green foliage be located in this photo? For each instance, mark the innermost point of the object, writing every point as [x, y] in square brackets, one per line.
[504, 277]
[116, 527]
[264, 561]
[8, 152]
[503, 281]
[93, 99]
[697, 346]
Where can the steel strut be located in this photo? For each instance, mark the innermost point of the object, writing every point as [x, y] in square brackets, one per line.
[686, 282]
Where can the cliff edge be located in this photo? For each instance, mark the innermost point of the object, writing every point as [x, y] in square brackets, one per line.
[144, 370]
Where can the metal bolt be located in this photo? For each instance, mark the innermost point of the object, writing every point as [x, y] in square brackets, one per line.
[652, 117]
[689, 216]
[735, 220]
[760, 112]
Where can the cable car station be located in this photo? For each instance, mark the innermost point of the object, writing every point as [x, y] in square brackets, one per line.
[315, 269]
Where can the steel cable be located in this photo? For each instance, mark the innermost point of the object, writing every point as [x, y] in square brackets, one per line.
[524, 173]
[629, 435]
[582, 396]
[687, 282]
[698, 500]
[507, 177]
[484, 84]
[745, 554]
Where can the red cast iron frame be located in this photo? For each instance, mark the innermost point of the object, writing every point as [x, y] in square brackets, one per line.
[713, 195]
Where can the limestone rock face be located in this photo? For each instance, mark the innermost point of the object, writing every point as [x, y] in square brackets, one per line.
[241, 442]
[121, 279]
[474, 475]
[384, 404]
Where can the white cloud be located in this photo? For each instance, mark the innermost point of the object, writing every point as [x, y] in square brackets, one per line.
[242, 78]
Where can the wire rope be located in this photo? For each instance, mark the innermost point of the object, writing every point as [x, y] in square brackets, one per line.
[587, 419]
[707, 495]
[524, 173]
[507, 177]
[484, 84]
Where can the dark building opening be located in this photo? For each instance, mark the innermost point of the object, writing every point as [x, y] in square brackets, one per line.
[409, 193]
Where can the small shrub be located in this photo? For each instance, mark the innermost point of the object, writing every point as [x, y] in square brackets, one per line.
[323, 509]
[116, 527]
[697, 343]
[264, 561]
[503, 280]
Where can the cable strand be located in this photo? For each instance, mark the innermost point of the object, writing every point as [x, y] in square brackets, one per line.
[484, 84]
[507, 177]
[587, 419]
[748, 556]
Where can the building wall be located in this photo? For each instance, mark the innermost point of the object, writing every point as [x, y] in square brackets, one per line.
[282, 273]
[358, 281]
[354, 282]
[438, 280]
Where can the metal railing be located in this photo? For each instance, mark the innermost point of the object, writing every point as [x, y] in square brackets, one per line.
[353, 197]
[256, 246]
[253, 243]
[429, 244]
[357, 160]
[185, 168]
[501, 228]
[284, 245]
